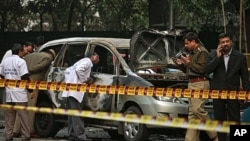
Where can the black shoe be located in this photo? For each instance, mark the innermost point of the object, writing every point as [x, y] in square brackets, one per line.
[9, 139]
[83, 140]
[28, 139]
[34, 135]
[16, 135]
[87, 139]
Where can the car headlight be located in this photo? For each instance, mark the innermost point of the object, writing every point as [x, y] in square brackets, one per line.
[168, 99]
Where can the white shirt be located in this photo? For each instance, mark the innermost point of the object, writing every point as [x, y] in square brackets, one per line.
[226, 59]
[13, 68]
[6, 55]
[78, 73]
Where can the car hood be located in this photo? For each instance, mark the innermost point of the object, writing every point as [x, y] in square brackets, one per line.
[153, 49]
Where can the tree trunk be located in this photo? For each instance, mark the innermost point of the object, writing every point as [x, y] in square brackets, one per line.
[53, 16]
[41, 21]
[240, 34]
[71, 12]
[245, 30]
[3, 22]
[223, 14]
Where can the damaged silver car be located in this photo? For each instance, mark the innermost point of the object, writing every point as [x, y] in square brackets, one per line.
[114, 68]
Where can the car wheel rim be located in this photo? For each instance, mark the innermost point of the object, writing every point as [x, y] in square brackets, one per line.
[131, 129]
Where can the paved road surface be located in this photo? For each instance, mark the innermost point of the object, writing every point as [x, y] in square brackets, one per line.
[96, 134]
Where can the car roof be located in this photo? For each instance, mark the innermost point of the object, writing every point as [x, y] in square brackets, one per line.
[119, 43]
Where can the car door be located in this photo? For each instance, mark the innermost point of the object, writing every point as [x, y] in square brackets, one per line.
[103, 73]
[68, 55]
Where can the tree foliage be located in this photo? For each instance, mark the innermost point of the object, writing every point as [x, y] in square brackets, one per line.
[126, 15]
[72, 15]
[105, 15]
[11, 15]
[198, 14]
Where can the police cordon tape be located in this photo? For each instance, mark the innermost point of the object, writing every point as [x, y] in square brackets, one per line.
[208, 125]
[127, 90]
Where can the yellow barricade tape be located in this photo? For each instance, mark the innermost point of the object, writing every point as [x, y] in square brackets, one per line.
[127, 90]
[208, 125]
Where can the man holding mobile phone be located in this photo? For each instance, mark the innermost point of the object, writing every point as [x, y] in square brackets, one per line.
[229, 69]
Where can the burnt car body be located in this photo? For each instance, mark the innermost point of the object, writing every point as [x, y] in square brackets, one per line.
[152, 49]
[113, 69]
[153, 42]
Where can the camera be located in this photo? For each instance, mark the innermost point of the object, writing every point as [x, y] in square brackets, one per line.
[183, 52]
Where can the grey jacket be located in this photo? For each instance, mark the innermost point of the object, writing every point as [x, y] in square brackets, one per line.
[38, 63]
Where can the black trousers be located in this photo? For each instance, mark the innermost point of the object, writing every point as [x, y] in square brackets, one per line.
[226, 110]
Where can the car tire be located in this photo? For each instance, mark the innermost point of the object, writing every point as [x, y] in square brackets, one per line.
[45, 123]
[135, 131]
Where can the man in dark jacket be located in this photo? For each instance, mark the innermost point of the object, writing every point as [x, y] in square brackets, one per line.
[229, 69]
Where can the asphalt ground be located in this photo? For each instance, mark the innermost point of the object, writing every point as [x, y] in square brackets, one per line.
[94, 133]
[97, 134]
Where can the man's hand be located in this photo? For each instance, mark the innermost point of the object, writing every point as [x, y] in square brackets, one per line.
[219, 50]
[185, 59]
[32, 95]
[177, 61]
[90, 80]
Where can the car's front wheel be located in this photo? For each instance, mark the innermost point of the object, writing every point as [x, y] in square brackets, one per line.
[135, 131]
[45, 123]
